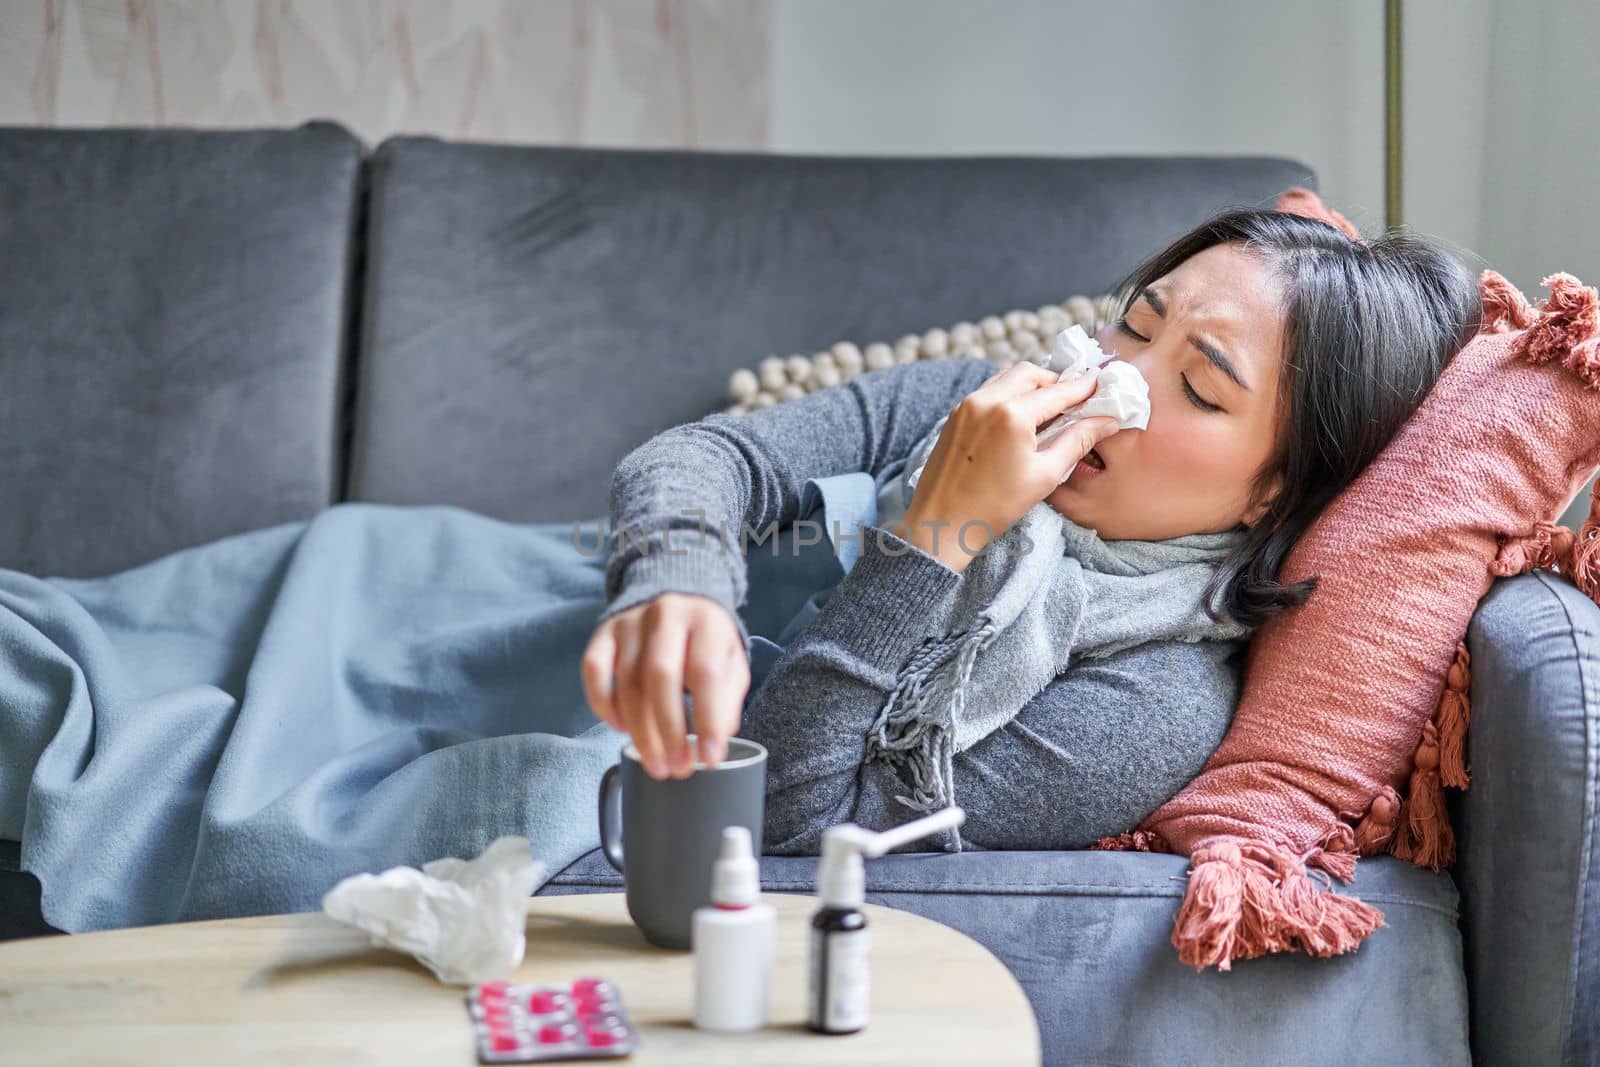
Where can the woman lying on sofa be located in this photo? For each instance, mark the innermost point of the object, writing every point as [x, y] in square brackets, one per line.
[1281, 356]
[233, 728]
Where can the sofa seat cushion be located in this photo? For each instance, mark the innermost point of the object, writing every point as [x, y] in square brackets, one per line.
[1086, 934]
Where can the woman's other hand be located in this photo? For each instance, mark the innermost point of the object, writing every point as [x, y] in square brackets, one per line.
[639, 663]
[985, 471]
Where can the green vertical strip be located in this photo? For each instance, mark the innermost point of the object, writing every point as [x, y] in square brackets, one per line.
[1392, 22]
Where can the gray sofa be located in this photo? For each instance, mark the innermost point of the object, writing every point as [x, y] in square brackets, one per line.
[206, 332]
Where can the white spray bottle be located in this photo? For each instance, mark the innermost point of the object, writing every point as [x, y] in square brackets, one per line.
[838, 995]
[733, 942]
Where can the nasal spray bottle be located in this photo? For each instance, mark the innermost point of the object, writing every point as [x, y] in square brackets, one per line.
[837, 1001]
[733, 943]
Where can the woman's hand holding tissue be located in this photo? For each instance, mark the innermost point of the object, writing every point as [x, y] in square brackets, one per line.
[986, 470]
[640, 661]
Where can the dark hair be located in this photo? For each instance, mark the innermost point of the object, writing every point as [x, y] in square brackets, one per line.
[1367, 330]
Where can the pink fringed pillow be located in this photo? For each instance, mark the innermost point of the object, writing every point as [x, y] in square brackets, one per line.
[1362, 689]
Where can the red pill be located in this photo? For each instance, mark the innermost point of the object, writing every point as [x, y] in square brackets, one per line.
[552, 1035]
[586, 986]
[601, 1038]
[543, 1001]
[503, 1042]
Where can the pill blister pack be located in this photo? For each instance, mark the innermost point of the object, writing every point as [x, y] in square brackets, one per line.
[533, 1024]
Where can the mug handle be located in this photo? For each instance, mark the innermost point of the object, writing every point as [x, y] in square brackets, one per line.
[611, 815]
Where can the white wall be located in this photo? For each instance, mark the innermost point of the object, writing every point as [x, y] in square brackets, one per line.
[1302, 78]
[679, 73]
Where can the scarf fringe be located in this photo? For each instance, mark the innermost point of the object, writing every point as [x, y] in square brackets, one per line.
[915, 727]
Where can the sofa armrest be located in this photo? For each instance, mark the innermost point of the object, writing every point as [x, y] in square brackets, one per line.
[1527, 865]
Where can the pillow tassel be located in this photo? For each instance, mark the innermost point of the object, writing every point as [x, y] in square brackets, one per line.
[1568, 316]
[1246, 899]
[1376, 829]
[1425, 836]
[1132, 841]
[1583, 563]
[1453, 716]
[1503, 304]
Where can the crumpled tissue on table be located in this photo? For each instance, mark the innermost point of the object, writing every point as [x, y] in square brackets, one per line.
[463, 920]
[1120, 390]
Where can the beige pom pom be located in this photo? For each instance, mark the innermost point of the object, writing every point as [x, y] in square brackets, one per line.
[935, 343]
[823, 359]
[1013, 320]
[1052, 320]
[1021, 337]
[773, 375]
[764, 399]
[799, 368]
[1080, 309]
[907, 353]
[848, 357]
[998, 350]
[1028, 320]
[993, 329]
[826, 376]
[792, 391]
[742, 384]
[734, 409]
[963, 334]
[972, 352]
[879, 356]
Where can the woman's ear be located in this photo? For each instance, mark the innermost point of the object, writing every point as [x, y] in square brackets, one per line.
[1262, 501]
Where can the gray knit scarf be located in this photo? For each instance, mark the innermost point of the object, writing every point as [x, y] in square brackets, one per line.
[1020, 617]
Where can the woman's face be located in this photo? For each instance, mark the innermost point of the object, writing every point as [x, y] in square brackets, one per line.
[1190, 471]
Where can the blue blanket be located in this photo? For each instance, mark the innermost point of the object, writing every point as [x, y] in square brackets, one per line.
[232, 729]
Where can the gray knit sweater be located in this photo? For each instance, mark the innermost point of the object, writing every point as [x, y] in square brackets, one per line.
[1100, 748]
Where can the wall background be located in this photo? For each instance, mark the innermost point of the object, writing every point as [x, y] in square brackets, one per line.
[1500, 143]
[1499, 146]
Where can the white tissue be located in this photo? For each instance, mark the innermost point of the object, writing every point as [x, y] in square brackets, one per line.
[1120, 391]
[1073, 351]
[463, 920]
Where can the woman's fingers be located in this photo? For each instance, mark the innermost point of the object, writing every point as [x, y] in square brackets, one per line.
[1075, 442]
[1048, 401]
[600, 674]
[717, 676]
[661, 672]
[1015, 380]
[638, 664]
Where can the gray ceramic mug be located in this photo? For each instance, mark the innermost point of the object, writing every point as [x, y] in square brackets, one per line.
[663, 835]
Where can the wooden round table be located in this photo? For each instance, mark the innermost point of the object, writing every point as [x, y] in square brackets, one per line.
[303, 989]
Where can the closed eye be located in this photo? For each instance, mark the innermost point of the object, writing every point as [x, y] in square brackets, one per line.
[1122, 324]
[1194, 398]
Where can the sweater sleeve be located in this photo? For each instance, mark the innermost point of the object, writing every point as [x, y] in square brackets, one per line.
[1102, 746]
[681, 503]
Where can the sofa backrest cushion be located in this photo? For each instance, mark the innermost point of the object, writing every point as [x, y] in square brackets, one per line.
[533, 313]
[173, 309]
